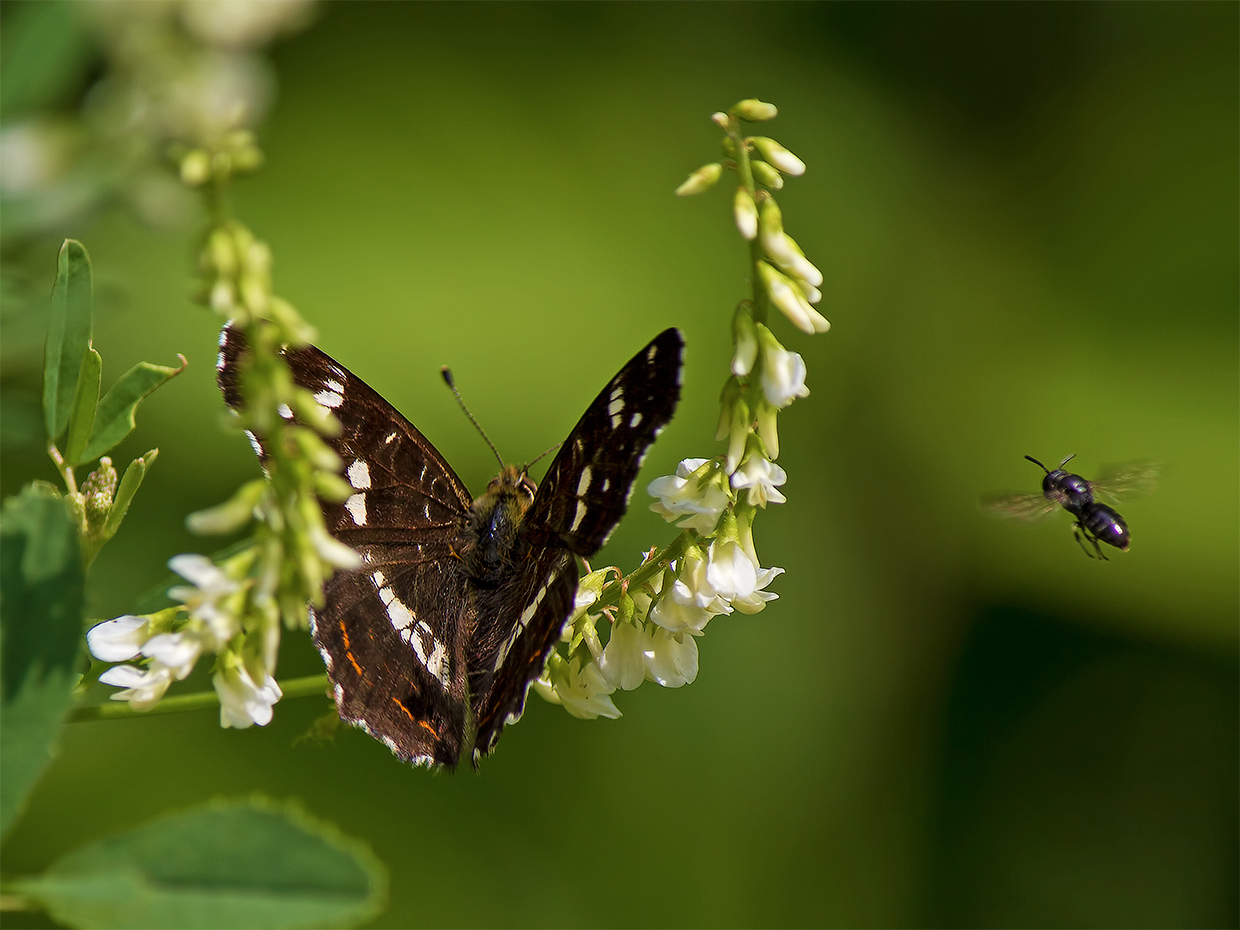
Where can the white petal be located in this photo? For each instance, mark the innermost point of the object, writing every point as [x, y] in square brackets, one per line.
[117, 640]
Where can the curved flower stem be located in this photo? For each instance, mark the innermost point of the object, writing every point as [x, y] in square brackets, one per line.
[308, 686]
[645, 572]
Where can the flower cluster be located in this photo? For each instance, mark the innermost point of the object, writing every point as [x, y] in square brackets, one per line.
[165, 646]
[656, 613]
[237, 609]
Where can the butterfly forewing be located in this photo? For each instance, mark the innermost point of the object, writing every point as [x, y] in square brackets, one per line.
[578, 504]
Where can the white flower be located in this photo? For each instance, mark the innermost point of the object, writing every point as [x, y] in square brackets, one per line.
[681, 499]
[693, 585]
[143, 688]
[621, 662]
[582, 689]
[729, 572]
[210, 586]
[242, 702]
[117, 640]
[175, 651]
[675, 616]
[757, 599]
[671, 658]
[692, 600]
[783, 375]
[761, 477]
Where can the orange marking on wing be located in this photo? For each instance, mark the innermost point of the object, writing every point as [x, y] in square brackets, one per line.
[349, 655]
[421, 723]
[397, 702]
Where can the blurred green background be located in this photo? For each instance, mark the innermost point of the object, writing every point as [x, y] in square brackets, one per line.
[1027, 220]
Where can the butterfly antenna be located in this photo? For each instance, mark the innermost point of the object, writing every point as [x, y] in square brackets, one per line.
[447, 377]
[1035, 462]
[543, 456]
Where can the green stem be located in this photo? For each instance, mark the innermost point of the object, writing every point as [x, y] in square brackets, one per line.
[744, 170]
[181, 703]
[645, 572]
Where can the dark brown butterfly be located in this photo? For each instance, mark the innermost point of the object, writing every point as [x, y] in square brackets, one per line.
[434, 642]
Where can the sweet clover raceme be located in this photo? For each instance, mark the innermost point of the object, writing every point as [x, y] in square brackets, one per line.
[712, 568]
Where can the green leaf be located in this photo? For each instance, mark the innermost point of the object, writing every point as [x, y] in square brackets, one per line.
[226, 864]
[82, 418]
[130, 482]
[68, 335]
[41, 605]
[114, 417]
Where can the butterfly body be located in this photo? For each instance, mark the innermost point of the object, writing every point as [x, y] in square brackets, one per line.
[432, 645]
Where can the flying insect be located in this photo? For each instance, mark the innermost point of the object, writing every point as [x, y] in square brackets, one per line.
[1094, 522]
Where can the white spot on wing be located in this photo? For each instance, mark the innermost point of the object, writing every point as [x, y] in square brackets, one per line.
[254, 444]
[635, 419]
[335, 386]
[356, 505]
[400, 615]
[379, 579]
[526, 616]
[359, 475]
[285, 411]
[581, 515]
[654, 350]
[584, 483]
[389, 438]
[437, 662]
[329, 399]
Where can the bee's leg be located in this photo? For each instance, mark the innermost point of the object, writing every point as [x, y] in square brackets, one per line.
[1078, 531]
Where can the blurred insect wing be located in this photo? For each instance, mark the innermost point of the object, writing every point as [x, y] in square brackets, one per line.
[1019, 506]
[1127, 481]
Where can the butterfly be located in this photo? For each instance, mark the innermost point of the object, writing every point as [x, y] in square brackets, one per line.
[432, 645]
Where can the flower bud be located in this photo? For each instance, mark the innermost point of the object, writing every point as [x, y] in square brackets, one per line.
[746, 212]
[702, 179]
[196, 168]
[221, 256]
[755, 110]
[246, 159]
[331, 487]
[744, 338]
[98, 489]
[767, 176]
[720, 119]
[778, 156]
[231, 515]
[791, 301]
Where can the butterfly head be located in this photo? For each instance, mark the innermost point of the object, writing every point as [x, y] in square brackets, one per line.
[514, 483]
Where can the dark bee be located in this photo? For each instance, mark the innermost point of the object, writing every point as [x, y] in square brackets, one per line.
[1095, 522]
